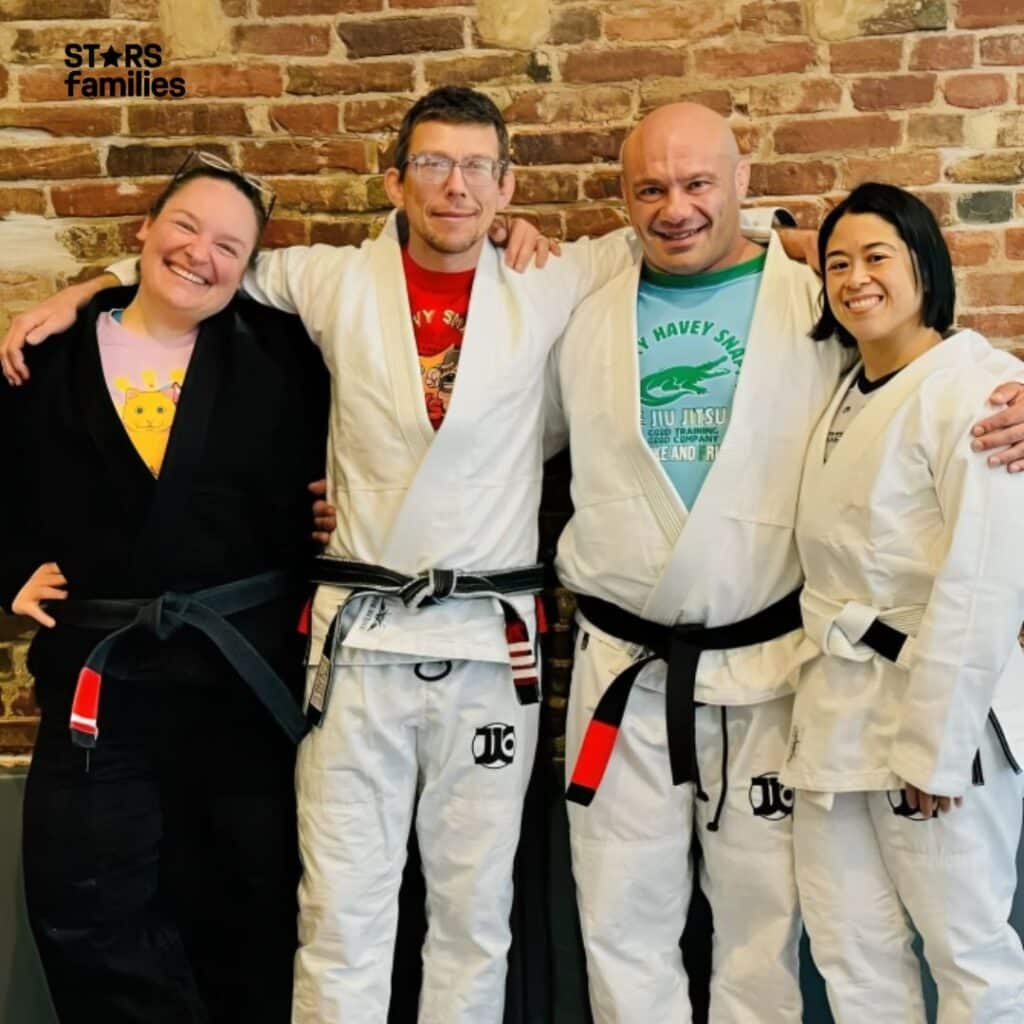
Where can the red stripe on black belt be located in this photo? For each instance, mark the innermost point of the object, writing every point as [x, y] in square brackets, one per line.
[602, 732]
[85, 708]
[680, 646]
[522, 657]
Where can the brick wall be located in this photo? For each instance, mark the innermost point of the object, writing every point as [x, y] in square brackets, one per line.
[823, 94]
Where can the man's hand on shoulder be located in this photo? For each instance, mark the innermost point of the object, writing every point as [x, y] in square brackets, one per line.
[52, 316]
[523, 243]
[1002, 434]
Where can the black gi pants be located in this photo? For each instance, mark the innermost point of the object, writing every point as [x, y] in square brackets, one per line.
[161, 884]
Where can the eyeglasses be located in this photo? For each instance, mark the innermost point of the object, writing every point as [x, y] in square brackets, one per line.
[478, 171]
[200, 158]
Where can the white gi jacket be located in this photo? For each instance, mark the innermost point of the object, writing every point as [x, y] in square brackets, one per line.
[631, 540]
[905, 522]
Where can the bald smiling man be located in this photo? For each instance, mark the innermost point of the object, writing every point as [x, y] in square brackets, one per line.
[690, 390]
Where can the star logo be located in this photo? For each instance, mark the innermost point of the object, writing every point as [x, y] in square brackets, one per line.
[111, 57]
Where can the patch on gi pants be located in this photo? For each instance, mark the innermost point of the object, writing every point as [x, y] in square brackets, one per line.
[769, 798]
[494, 745]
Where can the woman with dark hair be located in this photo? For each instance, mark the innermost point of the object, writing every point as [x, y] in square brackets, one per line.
[908, 730]
[156, 524]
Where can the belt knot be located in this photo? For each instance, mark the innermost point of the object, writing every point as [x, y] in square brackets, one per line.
[430, 587]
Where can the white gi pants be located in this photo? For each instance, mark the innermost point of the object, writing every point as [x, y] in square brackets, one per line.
[467, 746]
[631, 857]
[862, 868]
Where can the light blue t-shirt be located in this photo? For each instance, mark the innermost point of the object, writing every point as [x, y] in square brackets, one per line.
[693, 333]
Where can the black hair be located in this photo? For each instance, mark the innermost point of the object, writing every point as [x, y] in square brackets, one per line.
[452, 104]
[204, 171]
[916, 225]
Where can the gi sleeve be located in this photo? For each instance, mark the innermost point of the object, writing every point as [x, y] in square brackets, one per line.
[556, 427]
[973, 614]
[20, 554]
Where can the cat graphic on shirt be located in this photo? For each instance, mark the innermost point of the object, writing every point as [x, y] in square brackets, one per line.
[147, 417]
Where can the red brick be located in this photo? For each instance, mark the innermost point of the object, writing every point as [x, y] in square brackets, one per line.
[203, 80]
[592, 221]
[188, 119]
[3, 81]
[897, 169]
[1007, 50]
[799, 97]
[71, 161]
[935, 130]
[893, 93]
[603, 185]
[550, 104]
[792, 179]
[994, 325]
[942, 53]
[304, 118]
[989, 13]
[745, 62]
[281, 157]
[546, 186]
[21, 200]
[401, 35]
[340, 232]
[672, 90]
[971, 248]
[51, 10]
[807, 213]
[135, 10]
[300, 8]
[284, 231]
[574, 25]
[234, 8]
[690, 21]
[1015, 243]
[868, 131]
[43, 84]
[278, 38]
[940, 203]
[986, 288]
[332, 79]
[334, 194]
[568, 147]
[104, 198]
[146, 159]
[1003, 167]
[81, 119]
[772, 19]
[897, 16]
[866, 55]
[376, 114]
[1020, 89]
[491, 67]
[976, 91]
[622, 64]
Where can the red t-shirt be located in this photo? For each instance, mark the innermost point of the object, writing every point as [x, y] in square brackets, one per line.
[438, 302]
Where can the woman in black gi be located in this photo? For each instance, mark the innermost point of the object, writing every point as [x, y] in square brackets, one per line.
[160, 852]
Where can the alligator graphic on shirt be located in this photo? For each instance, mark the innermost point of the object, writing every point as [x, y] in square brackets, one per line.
[667, 385]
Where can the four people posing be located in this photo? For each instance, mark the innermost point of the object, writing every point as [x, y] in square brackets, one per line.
[422, 684]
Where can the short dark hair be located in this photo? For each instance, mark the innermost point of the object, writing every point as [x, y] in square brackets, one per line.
[179, 181]
[916, 225]
[452, 104]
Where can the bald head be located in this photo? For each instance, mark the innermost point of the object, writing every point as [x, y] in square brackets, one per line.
[683, 179]
[689, 124]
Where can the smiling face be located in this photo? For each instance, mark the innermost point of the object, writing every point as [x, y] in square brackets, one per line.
[683, 181]
[449, 221]
[871, 281]
[196, 249]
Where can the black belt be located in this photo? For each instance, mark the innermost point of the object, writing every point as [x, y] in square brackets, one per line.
[680, 646]
[202, 610]
[430, 588]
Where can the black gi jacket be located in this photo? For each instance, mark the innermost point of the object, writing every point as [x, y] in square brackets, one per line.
[230, 502]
